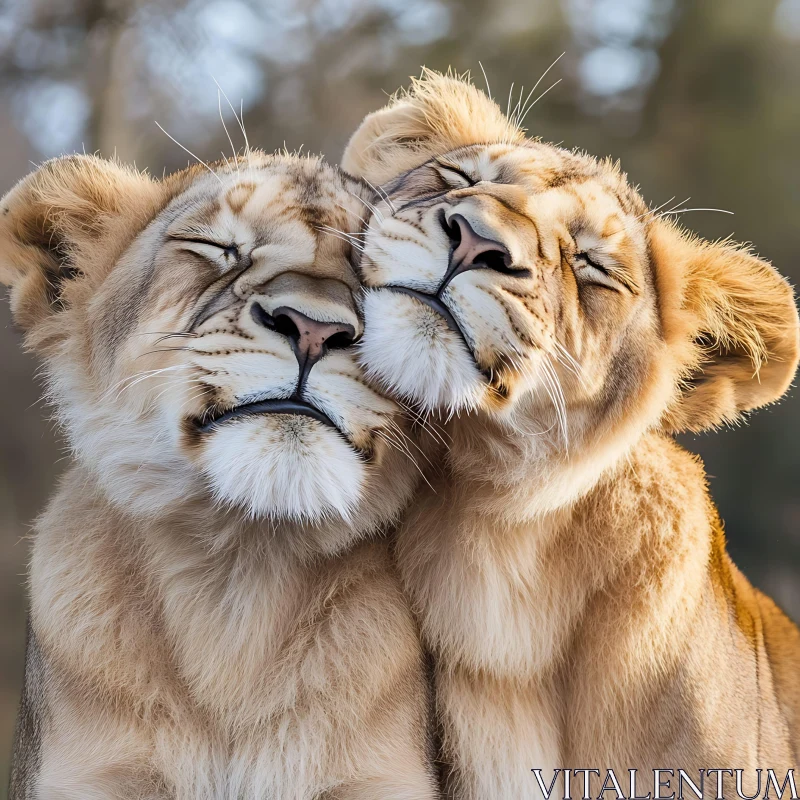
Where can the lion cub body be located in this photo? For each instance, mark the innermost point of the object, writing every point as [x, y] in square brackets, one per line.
[567, 565]
[212, 615]
[165, 670]
[615, 635]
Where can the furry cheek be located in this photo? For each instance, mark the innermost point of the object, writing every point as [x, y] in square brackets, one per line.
[409, 349]
[283, 467]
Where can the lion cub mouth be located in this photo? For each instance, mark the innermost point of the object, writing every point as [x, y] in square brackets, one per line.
[435, 303]
[292, 406]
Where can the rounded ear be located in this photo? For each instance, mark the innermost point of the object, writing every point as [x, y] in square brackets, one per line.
[438, 113]
[731, 321]
[65, 224]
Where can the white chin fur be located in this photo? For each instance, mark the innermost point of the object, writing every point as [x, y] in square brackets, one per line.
[284, 466]
[411, 351]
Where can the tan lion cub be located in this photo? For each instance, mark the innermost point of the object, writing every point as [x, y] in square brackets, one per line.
[207, 620]
[568, 565]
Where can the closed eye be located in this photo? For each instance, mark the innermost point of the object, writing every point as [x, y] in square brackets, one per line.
[591, 270]
[589, 261]
[453, 174]
[228, 250]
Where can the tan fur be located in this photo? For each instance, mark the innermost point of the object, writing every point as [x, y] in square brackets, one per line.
[567, 564]
[195, 634]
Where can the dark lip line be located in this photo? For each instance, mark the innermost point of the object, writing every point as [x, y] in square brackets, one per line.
[432, 301]
[276, 406]
[287, 405]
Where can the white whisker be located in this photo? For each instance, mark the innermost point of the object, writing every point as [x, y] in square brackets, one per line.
[225, 128]
[685, 210]
[369, 206]
[657, 208]
[552, 86]
[525, 108]
[197, 158]
[358, 216]
[393, 443]
[488, 90]
[341, 235]
[379, 190]
[236, 117]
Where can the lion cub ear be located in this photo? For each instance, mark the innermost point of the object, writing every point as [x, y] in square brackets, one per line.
[437, 114]
[730, 320]
[61, 229]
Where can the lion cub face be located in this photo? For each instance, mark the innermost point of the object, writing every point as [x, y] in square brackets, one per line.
[199, 334]
[501, 276]
[534, 286]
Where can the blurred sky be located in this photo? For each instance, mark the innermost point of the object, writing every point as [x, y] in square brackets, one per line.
[698, 99]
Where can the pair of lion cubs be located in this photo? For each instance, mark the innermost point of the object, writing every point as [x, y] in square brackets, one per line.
[209, 616]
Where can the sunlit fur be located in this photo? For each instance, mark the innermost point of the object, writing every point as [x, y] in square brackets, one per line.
[207, 620]
[568, 566]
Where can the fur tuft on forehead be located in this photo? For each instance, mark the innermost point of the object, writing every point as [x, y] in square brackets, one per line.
[436, 114]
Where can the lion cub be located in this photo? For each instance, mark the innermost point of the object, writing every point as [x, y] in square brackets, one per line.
[568, 565]
[208, 619]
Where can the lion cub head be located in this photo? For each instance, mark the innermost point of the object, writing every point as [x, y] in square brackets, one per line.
[533, 285]
[198, 332]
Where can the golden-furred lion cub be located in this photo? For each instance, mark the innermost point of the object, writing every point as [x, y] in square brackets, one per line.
[208, 621]
[568, 566]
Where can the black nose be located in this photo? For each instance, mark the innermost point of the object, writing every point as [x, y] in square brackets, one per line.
[310, 338]
[472, 251]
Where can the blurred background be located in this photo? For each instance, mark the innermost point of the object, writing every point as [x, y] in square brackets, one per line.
[700, 100]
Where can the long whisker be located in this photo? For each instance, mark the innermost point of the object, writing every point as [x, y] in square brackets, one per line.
[369, 206]
[425, 423]
[170, 381]
[225, 128]
[566, 359]
[358, 216]
[350, 237]
[525, 108]
[657, 208]
[140, 376]
[488, 90]
[175, 336]
[244, 132]
[125, 379]
[403, 436]
[337, 234]
[163, 350]
[394, 444]
[164, 333]
[552, 386]
[671, 208]
[381, 192]
[236, 117]
[684, 210]
[552, 86]
[197, 158]
[355, 235]
[562, 401]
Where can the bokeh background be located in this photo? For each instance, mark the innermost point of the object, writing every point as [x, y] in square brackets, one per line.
[699, 99]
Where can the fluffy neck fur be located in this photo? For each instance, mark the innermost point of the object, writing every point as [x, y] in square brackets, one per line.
[219, 655]
[510, 545]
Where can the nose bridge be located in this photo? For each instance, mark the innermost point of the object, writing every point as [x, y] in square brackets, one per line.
[315, 315]
[325, 300]
[503, 215]
[481, 213]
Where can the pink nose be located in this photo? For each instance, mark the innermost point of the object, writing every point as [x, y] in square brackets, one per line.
[472, 251]
[311, 338]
